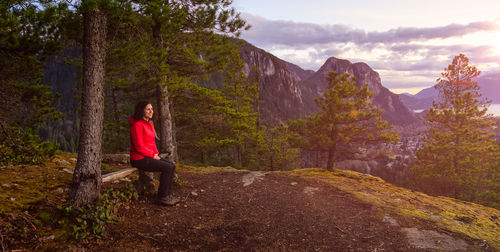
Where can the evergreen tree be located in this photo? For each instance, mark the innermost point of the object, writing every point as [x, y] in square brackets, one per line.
[347, 116]
[87, 180]
[242, 95]
[280, 155]
[182, 40]
[202, 117]
[29, 32]
[460, 156]
[122, 90]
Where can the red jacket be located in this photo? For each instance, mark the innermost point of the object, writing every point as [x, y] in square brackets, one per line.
[142, 139]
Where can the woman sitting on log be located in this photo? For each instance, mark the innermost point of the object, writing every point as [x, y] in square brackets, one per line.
[144, 154]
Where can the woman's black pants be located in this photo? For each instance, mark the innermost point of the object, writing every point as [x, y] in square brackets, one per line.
[164, 166]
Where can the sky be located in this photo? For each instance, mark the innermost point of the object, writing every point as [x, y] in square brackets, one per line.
[408, 42]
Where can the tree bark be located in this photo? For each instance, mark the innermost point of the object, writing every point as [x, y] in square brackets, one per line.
[333, 149]
[318, 165]
[167, 143]
[331, 158]
[175, 157]
[87, 176]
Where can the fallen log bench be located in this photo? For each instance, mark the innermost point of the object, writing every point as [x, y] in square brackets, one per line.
[112, 176]
[144, 185]
[117, 159]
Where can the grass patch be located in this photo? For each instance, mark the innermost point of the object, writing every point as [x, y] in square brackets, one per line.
[207, 169]
[25, 185]
[474, 220]
[33, 215]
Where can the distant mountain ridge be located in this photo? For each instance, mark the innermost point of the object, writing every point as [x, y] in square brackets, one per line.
[489, 87]
[288, 91]
[395, 111]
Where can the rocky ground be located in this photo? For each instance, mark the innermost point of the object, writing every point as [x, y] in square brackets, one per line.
[224, 209]
[234, 210]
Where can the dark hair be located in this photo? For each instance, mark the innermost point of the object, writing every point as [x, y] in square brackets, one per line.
[139, 110]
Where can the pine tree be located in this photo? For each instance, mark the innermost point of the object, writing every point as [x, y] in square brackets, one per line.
[279, 154]
[182, 40]
[201, 116]
[29, 32]
[242, 95]
[460, 155]
[347, 116]
[87, 180]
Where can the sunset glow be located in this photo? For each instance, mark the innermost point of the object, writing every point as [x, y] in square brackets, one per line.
[407, 43]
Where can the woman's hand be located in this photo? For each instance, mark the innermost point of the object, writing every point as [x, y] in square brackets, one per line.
[156, 156]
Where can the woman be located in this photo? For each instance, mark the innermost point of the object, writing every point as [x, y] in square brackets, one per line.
[144, 154]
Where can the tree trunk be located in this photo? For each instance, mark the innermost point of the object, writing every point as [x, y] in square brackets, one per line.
[331, 159]
[175, 157]
[167, 143]
[165, 119]
[238, 156]
[87, 176]
[318, 165]
[332, 150]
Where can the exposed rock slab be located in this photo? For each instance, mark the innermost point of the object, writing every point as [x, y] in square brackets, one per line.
[310, 190]
[429, 239]
[249, 178]
[390, 220]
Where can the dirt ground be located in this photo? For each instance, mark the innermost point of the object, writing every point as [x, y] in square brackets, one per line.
[275, 212]
[224, 209]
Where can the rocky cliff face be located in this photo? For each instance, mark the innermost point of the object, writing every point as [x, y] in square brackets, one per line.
[298, 73]
[287, 91]
[279, 90]
[396, 111]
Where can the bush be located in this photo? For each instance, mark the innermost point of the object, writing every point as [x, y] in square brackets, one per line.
[18, 146]
[92, 221]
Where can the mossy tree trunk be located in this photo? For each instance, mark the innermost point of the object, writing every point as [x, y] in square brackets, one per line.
[87, 176]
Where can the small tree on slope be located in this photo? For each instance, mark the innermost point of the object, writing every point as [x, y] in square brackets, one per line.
[347, 116]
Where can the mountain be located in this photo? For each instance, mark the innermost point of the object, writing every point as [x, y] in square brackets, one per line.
[298, 73]
[286, 90]
[489, 84]
[396, 111]
[426, 93]
[64, 78]
[415, 103]
[279, 90]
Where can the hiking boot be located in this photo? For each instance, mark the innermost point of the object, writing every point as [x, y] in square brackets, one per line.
[169, 200]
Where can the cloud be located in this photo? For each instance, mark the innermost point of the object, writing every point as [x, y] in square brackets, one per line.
[405, 56]
[426, 57]
[406, 34]
[291, 33]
